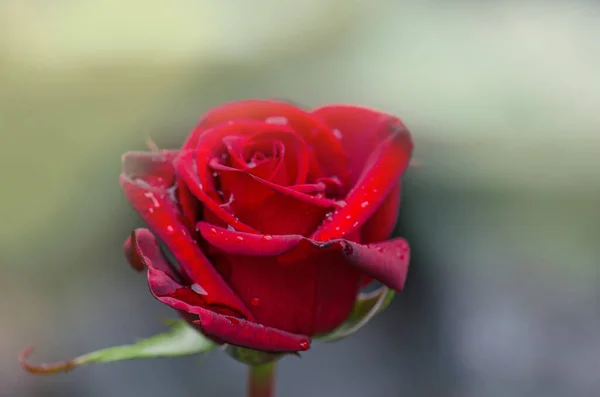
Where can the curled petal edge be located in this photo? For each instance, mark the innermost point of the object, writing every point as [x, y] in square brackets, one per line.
[386, 261]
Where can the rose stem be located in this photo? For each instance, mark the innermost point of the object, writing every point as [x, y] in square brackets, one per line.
[261, 380]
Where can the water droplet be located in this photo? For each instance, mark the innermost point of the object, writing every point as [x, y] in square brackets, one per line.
[348, 216]
[337, 228]
[170, 229]
[239, 238]
[215, 174]
[337, 133]
[255, 301]
[355, 224]
[151, 210]
[267, 237]
[303, 344]
[229, 227]
[197, 288]
[151, 197]
[232, 320]
[276, 120]
[364, 204]
[341, 203]
[380, 249]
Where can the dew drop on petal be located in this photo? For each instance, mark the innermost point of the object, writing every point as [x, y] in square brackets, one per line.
[267, 237]
[364, 204]
[170, 229]
[337, 133]
[213, 230]
[355, 224]
[239, 238]
[151, 210]
[229, 227]
[348, 216]
[303, 344]
[337, 228]
[151, 197]
[233, 320]
[380, 249]
[341, 203]
[276, 120]
[197, 288]
[255, 302]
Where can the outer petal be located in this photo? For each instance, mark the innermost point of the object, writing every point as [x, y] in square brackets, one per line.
[160, 213]
[381, 173]
[359, 129]
[330, 153]
[386, 262]
[381, 225]
[191, 303]
[307, 291]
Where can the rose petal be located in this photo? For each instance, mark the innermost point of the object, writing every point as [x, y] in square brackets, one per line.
[359, 129]
[381, 173]
[184, 164]
[319, 287]
[224, 328]
[162, 216]
[271, 208]
[154, 168]
[386, 262]
[142, 242]
[329, 151]
[380, 226]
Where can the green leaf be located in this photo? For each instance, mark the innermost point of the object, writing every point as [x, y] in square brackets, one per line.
[367, 306]
[179, 340]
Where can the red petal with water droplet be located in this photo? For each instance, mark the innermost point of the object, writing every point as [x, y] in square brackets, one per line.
[162, 216]
[380, 226]
[184, 164]
[221, 327]
[295, 255]
[380, 175]
[329, 152]
[360, 130]
[301, 289]
[271, 208]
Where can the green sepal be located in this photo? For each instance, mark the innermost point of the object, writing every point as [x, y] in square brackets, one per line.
[367, 306]
[180, 340]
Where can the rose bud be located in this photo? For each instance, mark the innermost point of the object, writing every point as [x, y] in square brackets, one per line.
[275, 218]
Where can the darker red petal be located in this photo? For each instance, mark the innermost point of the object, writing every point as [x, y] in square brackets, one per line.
[218, 326]
[260, 260]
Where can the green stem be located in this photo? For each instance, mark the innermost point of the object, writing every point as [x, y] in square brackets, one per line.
[261, 381]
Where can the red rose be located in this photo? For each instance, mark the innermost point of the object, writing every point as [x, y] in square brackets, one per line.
[275, 218]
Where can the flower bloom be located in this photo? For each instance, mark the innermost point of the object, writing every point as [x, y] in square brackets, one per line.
[274, 217]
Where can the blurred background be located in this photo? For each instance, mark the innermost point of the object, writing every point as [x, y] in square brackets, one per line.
[502, 98]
